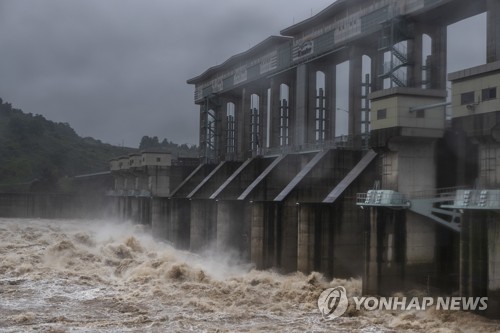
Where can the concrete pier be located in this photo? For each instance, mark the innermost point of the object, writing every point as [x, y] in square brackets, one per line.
[233, 228]
[178, 218]
[479, 120]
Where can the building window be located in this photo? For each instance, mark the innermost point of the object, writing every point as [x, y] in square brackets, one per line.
[158, 159]
[284, 123]
[489, 93]
[255, 122]
[467, 98]
[254, 128]
[381, 114]
[230, 129]
[320, 107]
[420, 113]
[284, 114]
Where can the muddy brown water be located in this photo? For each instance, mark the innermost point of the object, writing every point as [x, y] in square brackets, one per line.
[109, 276]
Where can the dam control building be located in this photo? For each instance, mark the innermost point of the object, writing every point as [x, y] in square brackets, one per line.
[402, 188]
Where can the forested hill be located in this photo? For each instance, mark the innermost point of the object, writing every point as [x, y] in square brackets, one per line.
[182, 150]
[32, 147]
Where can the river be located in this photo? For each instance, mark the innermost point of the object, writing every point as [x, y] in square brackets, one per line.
[110, 276]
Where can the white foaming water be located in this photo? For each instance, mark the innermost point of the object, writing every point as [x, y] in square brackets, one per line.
[109, 276]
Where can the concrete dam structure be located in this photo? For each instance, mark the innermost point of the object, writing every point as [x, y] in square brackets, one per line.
[403, 188]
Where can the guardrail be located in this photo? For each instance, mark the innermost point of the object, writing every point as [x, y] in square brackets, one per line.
[459, 197]
[382, 198]
[443, 192]
[344, 141]
[128, 193]
[488, 199]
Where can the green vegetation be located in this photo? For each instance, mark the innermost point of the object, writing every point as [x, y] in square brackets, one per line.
[32, 147]
[183, 150]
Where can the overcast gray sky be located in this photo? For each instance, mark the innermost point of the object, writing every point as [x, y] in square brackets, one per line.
[116, 69]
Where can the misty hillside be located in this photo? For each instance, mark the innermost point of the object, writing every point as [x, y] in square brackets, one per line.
[32, 147]
[182, 150]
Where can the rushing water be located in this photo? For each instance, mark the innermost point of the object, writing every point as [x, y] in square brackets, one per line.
[104, 276]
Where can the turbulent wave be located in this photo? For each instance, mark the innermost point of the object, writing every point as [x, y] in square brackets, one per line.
[105, 276]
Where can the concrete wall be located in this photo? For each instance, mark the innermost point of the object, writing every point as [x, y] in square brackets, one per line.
[411, 167]
[158, 181]
[397, 103]
[385, 252]
[406, 250]
[489, 165]
[480, 236]
[233, 228]
[287, 227]
[475, 80]
[331, 239]
[178, 222]
[474, 255]
[136, 209]
[203, 227]
[39, 205]
[264, 234]
[417, 172]
[156, 159]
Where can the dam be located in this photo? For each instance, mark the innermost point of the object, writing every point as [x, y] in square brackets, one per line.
[402, 188]
[407, 196]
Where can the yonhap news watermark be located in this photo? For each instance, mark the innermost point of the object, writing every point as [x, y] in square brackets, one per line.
[333, 303]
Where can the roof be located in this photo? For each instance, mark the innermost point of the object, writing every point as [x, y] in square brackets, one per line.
[408, 91]
[155, 151]
[96, 174]
[474, 71]
[122, 157]
[235, 59]
[316, 19]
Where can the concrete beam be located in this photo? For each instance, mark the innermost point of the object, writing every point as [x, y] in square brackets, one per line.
[331, 98]
[355, 69]
[231, 178]
[301, 175]
[439, 35]
[350, 177]
[242, 115]
[493, 31]
[300, 123]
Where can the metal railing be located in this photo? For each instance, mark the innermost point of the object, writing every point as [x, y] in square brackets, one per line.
[382, 198]
[459, 197]
[444, 192]
[475, 199]
[344, 141]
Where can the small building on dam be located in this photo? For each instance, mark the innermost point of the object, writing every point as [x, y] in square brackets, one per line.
[401, 188]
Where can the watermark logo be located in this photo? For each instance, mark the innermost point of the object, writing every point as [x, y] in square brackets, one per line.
[333, 303]
[421, 303]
